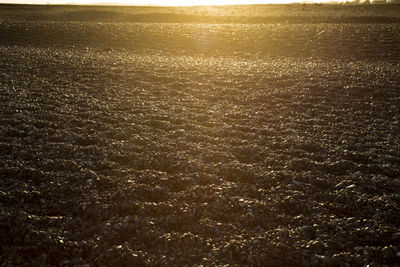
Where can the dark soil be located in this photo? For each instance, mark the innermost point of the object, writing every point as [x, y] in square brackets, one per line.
[161, 144]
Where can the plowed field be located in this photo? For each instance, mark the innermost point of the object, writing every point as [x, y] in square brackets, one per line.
[213, 140]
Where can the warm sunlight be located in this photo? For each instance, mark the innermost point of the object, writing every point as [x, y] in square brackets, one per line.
[165, 2]
[214, 2]
[199, 133]
[198, 2]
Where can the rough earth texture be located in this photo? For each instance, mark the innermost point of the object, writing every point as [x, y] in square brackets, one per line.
[137, 143]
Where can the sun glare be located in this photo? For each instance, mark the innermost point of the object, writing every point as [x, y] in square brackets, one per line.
[222, 2]
[208, 2]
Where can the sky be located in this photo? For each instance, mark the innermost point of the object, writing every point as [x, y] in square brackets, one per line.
[162, 2]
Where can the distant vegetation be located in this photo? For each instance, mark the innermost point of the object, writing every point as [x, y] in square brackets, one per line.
[294, 13]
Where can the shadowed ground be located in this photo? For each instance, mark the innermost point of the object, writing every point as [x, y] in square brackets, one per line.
[125, 142]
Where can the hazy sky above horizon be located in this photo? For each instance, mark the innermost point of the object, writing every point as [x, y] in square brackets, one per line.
[163, 2]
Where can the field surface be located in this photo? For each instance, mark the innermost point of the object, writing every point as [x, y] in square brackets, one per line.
[256, 135]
